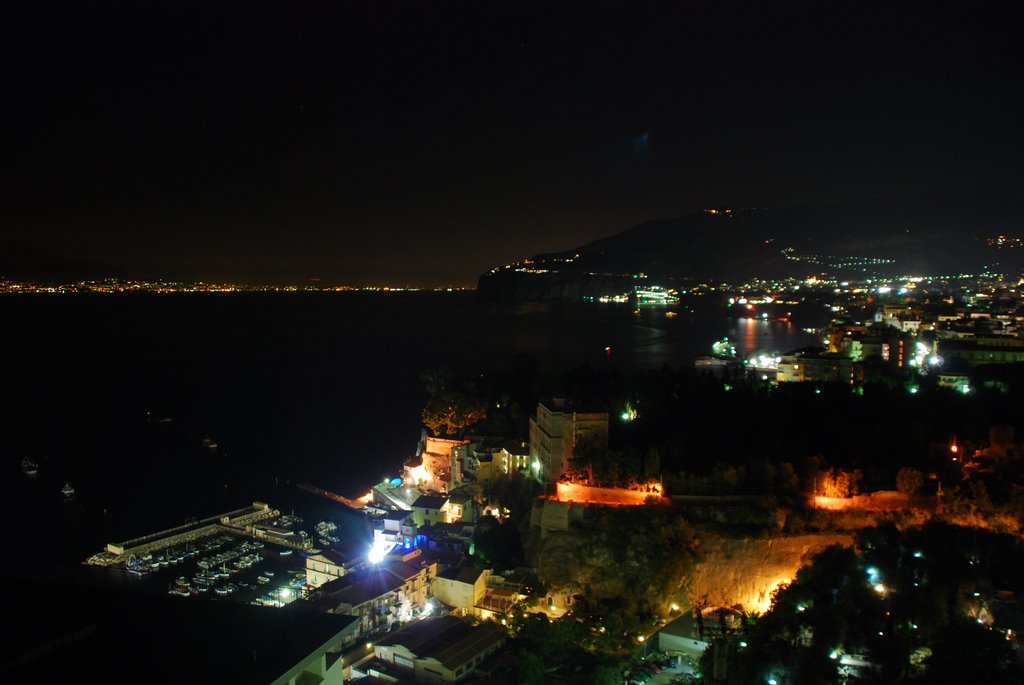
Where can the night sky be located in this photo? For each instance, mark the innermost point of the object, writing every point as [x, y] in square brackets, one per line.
[421, 143]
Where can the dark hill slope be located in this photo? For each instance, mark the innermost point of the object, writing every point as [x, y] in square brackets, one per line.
[769, 243]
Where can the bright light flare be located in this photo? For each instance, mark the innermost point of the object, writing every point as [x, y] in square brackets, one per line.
[378, 550]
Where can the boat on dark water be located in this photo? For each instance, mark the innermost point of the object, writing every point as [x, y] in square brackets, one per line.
[29, 467]
[68, 490]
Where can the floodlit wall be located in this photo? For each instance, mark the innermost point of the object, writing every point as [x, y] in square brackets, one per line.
[455, 593]
[573, 492]
[746, 571]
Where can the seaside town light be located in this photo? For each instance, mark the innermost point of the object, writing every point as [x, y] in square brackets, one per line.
[378, 550]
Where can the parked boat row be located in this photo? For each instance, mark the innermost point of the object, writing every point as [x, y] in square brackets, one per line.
[247, 551]
[326, 530]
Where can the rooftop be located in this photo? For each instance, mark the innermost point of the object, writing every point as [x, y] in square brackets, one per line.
[559, 404]
[467, 574]
[430, 501]
[519, 447]
[447, 639]
[368, 584]
[333, 556]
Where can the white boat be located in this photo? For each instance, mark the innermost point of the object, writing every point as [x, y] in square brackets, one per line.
[29, 467]
[68, 491]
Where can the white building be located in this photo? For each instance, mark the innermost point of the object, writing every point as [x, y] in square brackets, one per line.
[462, 589]
[327, 566]
[557, 430]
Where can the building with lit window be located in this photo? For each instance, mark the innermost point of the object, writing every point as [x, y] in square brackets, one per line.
[501, 462]
[327, 566]
[461, 588]
[428, 510]
[813, 365]
[983, 351]
[558, 429]
[380, 594]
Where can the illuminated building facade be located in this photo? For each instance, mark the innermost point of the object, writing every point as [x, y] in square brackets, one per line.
[380, 595]
[557, 430]
[430, 509]
[983, 351]
[326, 566]
[813, 366]
[461, 588]
[438, 466]
[501, 462]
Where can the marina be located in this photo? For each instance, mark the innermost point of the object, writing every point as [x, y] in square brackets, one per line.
[243, 556]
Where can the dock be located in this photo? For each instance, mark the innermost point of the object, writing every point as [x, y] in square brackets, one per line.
[331, 496]
[242, 522]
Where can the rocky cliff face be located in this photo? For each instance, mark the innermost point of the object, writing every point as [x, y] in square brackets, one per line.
[745, 571]
[573, 557]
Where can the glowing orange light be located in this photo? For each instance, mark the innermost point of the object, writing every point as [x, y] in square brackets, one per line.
[420, 474]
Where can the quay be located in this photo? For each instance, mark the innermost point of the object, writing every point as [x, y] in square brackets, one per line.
[351, 503]
[243, 522]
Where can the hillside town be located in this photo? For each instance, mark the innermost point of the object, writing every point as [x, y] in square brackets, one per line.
[601, 533]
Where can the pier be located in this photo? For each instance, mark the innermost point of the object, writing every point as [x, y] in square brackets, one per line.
[242, 522]
[351, 503]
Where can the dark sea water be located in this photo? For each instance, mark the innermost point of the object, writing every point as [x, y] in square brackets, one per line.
[117, 393]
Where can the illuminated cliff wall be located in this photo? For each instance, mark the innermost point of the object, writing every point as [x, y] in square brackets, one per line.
[745, 571]
[585, 494]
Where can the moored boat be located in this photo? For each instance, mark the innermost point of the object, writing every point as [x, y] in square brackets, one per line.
[29, 467]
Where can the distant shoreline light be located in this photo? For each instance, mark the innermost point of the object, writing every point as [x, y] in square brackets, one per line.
[117, 286]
